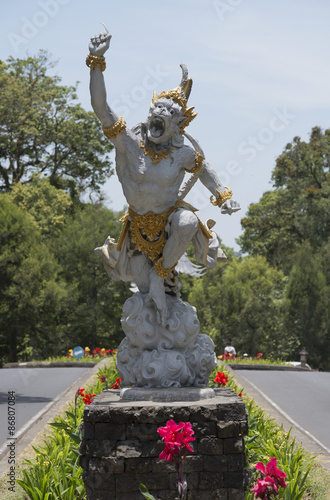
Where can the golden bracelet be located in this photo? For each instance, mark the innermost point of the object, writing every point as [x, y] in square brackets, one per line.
[198, 163]
[221, 197]
[112, 131]
[93, 61]
[161, 271]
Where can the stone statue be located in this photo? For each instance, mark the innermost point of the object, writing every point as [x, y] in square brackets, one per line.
[163, 347]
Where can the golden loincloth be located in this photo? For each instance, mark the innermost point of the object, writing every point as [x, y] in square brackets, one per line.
[148, 233]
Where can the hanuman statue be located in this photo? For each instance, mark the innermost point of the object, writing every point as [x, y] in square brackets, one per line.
[151, 163]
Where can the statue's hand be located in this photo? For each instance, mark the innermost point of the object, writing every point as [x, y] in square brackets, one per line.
[99, 44]
[230, 206]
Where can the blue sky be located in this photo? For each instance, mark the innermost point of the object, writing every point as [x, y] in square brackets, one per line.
[260, 69]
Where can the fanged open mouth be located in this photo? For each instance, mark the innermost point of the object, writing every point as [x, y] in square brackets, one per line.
[157, 127]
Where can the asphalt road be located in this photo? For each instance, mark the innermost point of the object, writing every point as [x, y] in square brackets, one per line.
[303, 396]
[34, 389]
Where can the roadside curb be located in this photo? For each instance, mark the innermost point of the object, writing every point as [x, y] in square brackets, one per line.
[251, 366]
[52, 364]
[37, 424]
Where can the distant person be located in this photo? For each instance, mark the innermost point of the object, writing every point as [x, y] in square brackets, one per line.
[230, 350]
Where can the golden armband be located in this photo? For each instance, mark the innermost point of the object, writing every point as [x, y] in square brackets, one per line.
[161, 271]
[112, 131]
[93, 61]
[198, 164]
[221, 197]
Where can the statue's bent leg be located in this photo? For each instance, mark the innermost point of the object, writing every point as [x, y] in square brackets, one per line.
[140, 267]
[183, 227]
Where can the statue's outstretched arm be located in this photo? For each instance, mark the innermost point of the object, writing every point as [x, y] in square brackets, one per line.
[222, 194]
[201, 169]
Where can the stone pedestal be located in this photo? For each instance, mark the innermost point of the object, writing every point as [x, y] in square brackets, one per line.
[121, 446]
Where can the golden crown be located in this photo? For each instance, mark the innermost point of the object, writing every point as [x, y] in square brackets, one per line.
[180, 95]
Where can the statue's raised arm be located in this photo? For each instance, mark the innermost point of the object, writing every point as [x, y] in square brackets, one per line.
[98, 46]
[113, 125]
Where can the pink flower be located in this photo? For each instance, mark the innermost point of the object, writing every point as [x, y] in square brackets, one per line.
[263, 487]
[168, 452]
[187, 433]
[272, 471]
[272, 479]
[176, 437]
[170, 433]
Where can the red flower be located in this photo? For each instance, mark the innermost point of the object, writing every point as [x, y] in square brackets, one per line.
[259, 355]
[240, 395]
[221, 379]
[116, 385]
[88, 398]
[103, 379]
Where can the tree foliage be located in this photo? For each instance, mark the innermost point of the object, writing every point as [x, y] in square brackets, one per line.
[298, 209]
[44, 130]
[55, 293]
[290, 227]
[96, 304]
[238, 302]
[308, 294]
[48, 206]
[32, 295]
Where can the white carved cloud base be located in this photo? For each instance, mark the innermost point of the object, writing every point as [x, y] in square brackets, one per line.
[155, 356]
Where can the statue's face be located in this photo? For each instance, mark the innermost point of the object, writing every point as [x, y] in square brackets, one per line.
[164, 119]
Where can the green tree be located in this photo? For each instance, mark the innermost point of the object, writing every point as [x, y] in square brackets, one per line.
[298, 209]
[96, 305]
[48, 206]
[44, 130]
[308, 294]
[32, 296]
[242, 301]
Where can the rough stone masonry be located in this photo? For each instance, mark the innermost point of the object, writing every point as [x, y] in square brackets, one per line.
[121, 446]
